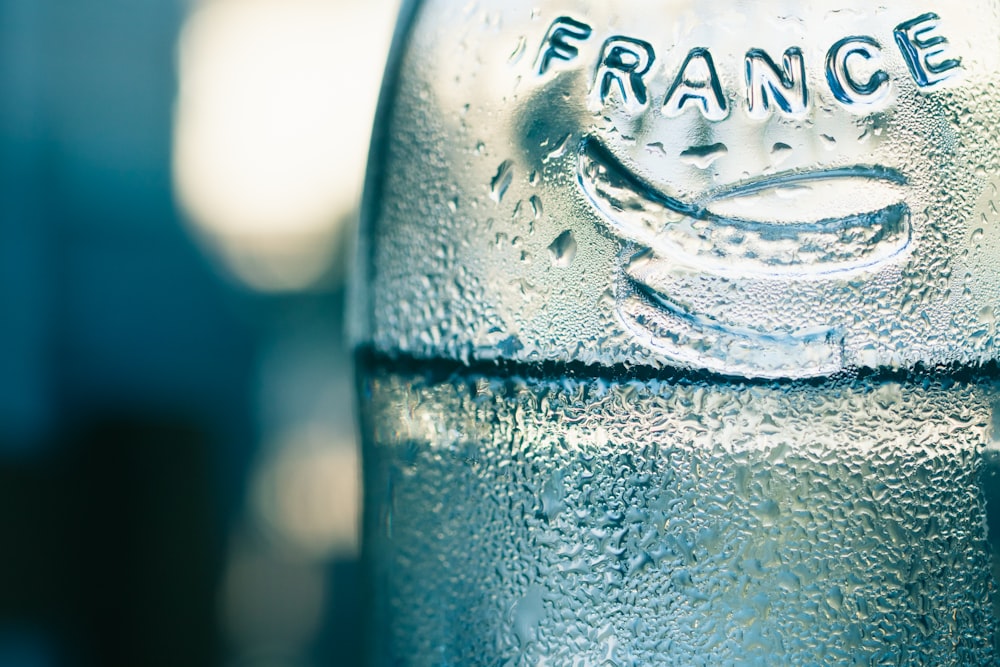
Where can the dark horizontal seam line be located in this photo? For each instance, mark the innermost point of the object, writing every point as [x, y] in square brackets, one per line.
[437, 369]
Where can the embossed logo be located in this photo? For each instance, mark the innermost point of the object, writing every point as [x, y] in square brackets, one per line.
[625, 63]
[684, 246]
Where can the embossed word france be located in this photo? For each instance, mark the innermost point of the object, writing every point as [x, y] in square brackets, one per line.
[625, 62]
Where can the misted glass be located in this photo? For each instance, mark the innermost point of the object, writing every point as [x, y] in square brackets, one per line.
[677, 329]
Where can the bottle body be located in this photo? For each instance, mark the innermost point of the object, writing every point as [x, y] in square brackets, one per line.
[674, 330]
[582, 521]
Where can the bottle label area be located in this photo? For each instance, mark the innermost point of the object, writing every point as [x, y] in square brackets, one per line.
[745, 189]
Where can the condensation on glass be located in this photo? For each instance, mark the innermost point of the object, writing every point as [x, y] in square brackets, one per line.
[740, 263]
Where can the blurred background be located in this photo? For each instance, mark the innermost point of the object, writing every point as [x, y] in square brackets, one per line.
[179, 182]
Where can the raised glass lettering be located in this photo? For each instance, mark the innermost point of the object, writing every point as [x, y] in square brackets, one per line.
[698, 84]
[857, 73]
[923, 48]
[844, 86]
[558, 43]
[770, 87]
[624, 61]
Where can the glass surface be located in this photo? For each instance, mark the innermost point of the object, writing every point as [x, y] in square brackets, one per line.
[576, 521]
[677, 334]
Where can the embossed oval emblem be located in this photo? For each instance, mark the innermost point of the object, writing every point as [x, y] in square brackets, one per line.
[693, 247]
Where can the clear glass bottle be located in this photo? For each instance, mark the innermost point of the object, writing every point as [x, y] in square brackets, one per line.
[676, 334]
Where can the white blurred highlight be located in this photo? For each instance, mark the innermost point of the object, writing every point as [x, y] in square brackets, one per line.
[276, 100]
[308, 496]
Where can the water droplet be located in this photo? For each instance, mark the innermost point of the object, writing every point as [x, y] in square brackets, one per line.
[527, 613]
[780, 152]
[563, 249]
[510, 346]
[558, 151]
[656, 148]
[767, 511]
[526, 289]
[536, 206]
[703, 156]
[502, 180]
[640, 259]
[518, 51]
[835, 598]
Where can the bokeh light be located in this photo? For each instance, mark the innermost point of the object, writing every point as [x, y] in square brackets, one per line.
[307, 497]
[276, 100]
[275, 104]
